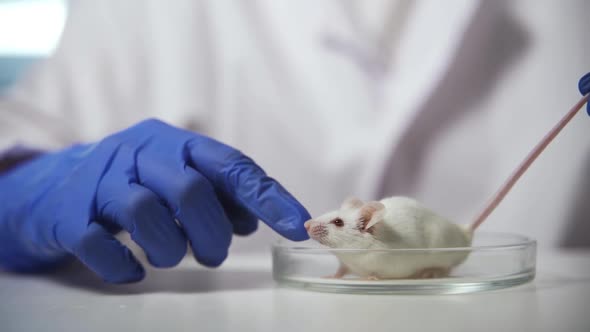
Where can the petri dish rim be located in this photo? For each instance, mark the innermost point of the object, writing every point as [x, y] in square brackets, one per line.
[521, 242]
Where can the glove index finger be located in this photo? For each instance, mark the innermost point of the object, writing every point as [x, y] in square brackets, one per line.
[246, 183]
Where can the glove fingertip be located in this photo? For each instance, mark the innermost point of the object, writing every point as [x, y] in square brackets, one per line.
[298, 235]
[292, 228]
[212, 259]
[106, 256]
[244, 229]
[137, 275]
[584, 84]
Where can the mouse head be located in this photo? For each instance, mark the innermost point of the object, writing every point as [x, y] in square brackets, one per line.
[352, 226]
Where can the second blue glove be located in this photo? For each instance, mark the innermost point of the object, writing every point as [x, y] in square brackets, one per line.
[584, 87]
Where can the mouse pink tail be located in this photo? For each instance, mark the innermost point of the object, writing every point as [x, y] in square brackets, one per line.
[499, 196]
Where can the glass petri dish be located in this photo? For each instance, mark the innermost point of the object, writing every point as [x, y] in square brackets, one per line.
[494, 261]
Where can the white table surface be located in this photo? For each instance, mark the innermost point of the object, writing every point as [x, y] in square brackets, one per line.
[241, 296]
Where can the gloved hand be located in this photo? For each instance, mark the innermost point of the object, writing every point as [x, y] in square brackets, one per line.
[584, 87]
[141, 180]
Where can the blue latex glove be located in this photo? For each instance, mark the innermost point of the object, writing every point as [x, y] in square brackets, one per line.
[140, 180]
[584, 87]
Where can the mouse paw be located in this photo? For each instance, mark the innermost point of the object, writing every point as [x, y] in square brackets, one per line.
[431, 273]
[342, 271]
[372, 277]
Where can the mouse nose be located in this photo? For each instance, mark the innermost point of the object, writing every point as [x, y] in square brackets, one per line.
[307, 225]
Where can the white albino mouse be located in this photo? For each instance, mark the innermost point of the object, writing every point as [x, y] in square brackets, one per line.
[401, 222]
[392, 223]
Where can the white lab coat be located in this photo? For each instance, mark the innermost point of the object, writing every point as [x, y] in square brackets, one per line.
[438, 100]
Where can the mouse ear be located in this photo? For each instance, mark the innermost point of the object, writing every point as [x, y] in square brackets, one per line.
[371, 213]
[351, 203]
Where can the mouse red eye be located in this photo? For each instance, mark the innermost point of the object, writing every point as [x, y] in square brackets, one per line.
[338, 222]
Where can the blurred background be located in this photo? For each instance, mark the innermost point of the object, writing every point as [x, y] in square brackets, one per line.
[455, 93]
[29, 30]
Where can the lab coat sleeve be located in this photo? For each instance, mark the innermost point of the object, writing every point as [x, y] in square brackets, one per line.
[117, 63]
[26, 122]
